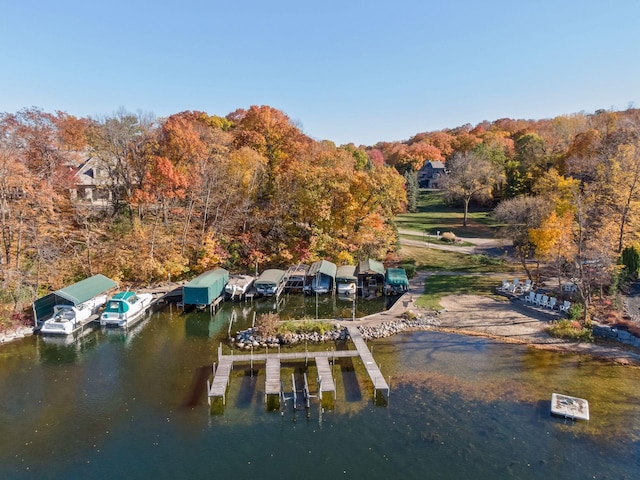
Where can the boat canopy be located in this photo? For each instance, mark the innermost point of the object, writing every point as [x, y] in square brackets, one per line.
[75, 294]
[346, 274]
[119, 303]
[324, 267]
[396, 277]
[272, 276]
[206, 287]
[370, 267]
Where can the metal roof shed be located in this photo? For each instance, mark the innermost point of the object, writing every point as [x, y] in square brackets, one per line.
[370, 267]
[74, 294]
[324, 267]
[346, 273]
[205, 288]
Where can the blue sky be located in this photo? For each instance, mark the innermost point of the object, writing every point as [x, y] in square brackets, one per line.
[346, 71]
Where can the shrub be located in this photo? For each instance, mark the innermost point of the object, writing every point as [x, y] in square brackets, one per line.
[448, 237]
[571, 329]
[267, 324]
[576, 311]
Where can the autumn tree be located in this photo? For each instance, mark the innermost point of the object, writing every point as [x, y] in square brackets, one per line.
[519, 216]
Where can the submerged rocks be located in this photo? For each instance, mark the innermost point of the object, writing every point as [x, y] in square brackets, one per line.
[386, 329]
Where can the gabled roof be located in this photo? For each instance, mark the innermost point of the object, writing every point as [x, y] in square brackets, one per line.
[323, 266]
[346, 272]
[208, 278]
[86, 289]
[272, 275]
[435, 164]
[370, 267]
[74, 294]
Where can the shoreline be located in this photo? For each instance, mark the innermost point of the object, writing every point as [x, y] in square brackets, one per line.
[473, 315]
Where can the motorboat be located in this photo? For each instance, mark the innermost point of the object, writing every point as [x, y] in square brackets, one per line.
[67, 319]
[124, 308]
[238, 285]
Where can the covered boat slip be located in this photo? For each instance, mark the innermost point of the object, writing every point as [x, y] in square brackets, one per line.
[206, 288]
[371, 274]
[321, 277]
[75, 294]
[396, 281]
[270, 282]
[346, 280]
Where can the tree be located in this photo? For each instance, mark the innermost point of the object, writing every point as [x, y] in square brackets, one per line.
[519, 216]
[470, 176]
[411, 182]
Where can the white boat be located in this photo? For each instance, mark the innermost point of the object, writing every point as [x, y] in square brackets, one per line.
[124, 308]
[67, 319]
[238, 285]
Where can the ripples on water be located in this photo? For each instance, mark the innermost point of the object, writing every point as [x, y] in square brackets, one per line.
[133, 405]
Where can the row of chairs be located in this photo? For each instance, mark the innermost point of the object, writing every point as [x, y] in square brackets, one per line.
[516, 286]
[544, 301]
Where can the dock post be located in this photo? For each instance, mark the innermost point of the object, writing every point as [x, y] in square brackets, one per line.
[295, 393]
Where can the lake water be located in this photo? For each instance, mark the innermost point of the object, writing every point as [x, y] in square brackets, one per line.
[116, 405]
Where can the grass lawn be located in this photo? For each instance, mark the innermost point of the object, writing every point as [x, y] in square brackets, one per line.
[440, 260]
[438, 286]
[434, 215]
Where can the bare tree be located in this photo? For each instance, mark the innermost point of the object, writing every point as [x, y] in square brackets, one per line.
[470, 176]
[518, 215]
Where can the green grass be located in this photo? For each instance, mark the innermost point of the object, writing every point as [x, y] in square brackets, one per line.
[435, 215]
[438, 286]
[440, 260]
[436, 241]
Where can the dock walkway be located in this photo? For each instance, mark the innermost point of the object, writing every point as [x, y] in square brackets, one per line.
[379, 383]
[273, 361]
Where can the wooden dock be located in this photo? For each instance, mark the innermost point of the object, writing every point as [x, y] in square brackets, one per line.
[273, 382]
[273, 385]
[325, 377]
[218, 387]
[379, 383]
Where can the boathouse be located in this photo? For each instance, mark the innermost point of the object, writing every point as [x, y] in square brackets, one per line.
[296, 277]
[395, 281]
[370, 275]
[205, 288]
[346, 280]
[321, 277]
[75, 294]
[270, 282]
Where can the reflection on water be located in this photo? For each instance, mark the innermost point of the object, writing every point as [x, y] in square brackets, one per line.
[133, 405]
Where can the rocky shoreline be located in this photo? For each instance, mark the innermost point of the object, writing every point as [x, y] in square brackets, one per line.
[15, 334]
[250, 338]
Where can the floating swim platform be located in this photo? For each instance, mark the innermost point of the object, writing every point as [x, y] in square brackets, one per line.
[569, 407]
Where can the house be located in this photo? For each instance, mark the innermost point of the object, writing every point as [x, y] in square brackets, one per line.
[90, 181]
[430, 174]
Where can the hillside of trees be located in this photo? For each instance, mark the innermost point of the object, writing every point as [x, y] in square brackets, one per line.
[186, 193]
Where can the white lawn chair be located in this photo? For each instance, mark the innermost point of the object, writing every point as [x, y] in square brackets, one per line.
[514, 286]
[544, 301]
[538, 299]
[552, 303]
[505, 285]
[566, 305]
[526, 286]
[530, 298]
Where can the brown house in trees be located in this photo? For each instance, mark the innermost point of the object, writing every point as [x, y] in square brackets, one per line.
[90, 181]
[430, 174]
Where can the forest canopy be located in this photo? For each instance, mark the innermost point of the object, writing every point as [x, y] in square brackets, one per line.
[145, 199]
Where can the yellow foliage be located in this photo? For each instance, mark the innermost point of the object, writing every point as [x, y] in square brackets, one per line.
[553, 239]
